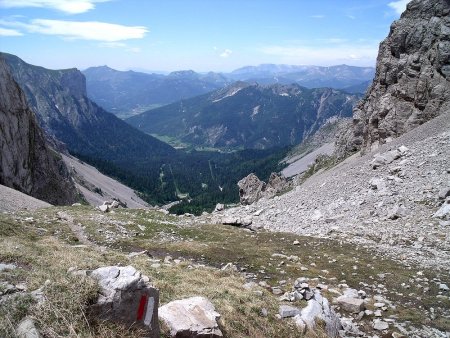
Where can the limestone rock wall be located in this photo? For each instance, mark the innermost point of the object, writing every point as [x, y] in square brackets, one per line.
[412, 81]
[27, 164]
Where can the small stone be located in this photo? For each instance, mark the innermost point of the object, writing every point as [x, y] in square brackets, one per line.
[277, 291]
[443, 287]
[27, 329]
[5, 267]
[444, 193]
[287, 311]
[379, 305]
[304, 285]
[103, 208]
[296, 242]
[229, 267]
[264, 312]
[250, 285]
[322, 287]
[380, 325]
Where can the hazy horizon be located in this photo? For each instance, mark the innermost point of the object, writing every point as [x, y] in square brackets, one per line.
[194, 35]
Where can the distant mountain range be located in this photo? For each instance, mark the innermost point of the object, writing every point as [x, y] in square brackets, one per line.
[337, 77]
[245, 115]
[129, 93]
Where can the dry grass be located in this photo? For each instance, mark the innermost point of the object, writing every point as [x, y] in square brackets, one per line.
[64, 311]
[44, 249]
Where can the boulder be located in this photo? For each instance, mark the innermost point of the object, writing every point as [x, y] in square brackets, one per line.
[191, 317]
[276, 184]
[127, 297]
[350, 304]
[103, 208]
[250, 189]
[230, 220]
[219, 207]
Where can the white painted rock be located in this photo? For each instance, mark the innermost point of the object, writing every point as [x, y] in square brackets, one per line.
[126, 296]
[191, 317]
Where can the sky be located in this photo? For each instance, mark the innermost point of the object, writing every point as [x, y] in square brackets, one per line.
[202, 35]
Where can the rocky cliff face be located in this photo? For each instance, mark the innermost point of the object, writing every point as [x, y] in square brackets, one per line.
[65, 113]
[26, 162]
[412, 81]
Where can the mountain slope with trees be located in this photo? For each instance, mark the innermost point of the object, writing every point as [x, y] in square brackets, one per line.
[245, 115]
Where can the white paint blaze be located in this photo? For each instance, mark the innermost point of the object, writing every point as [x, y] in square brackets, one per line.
[149, 313]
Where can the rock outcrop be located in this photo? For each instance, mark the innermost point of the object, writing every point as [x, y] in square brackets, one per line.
[251, 188]
[127, 297]
[412, 81]
[191, 317]
[27, 163]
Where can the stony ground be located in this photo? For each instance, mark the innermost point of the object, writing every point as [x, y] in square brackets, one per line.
[247, 275]
[388, 210]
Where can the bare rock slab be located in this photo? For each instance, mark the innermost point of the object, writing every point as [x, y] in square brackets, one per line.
[191, 317]
[127, 297]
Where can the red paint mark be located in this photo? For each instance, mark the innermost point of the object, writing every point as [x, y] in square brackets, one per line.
[141, 308]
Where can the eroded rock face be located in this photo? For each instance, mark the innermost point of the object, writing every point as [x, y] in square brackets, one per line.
[191, 317]
[251, 188]
[127, 297]
[412, 81]
[27, 164]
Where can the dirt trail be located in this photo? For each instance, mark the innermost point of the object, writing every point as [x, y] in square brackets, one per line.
[78, 230]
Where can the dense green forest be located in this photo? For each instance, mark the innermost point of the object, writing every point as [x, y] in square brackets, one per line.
[200, 179]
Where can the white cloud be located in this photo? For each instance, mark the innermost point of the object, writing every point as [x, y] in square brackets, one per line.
[399, 6]
[83, 30]
[66, 6]
[318, 16]
[355, 54]
[226, 53]
[9, 32]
